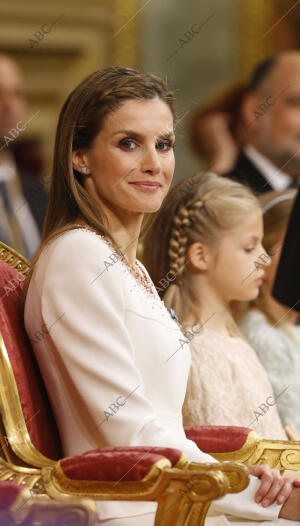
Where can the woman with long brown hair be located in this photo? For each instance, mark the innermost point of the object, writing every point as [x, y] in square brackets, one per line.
[100, 332]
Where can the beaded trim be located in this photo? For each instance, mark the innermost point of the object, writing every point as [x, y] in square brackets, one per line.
[138, 272]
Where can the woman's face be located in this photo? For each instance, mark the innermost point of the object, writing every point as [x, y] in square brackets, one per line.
[131, 160]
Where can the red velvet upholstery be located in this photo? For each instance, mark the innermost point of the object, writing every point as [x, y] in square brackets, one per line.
[116, 463]
[217, 439]
[36, 407]
[9, 491]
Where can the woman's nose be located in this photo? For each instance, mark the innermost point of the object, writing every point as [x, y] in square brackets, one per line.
[151, 162]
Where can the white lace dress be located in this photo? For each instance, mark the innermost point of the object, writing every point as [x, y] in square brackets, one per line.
[229, 386]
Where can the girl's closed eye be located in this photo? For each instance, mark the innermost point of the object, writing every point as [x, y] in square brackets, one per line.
[249, 249]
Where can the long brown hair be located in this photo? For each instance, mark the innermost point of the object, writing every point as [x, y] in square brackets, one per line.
[80, 120]
[199, 208]
[276, 207]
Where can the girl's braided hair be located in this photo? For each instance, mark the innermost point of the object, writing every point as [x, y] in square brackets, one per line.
[179, 238]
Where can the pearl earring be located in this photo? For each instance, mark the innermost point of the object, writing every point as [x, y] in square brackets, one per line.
[84, 170]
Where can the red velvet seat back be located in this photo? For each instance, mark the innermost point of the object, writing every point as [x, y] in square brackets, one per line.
[37, 411]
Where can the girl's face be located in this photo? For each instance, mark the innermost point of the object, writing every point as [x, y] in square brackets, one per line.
[131, 160]
[236, 269]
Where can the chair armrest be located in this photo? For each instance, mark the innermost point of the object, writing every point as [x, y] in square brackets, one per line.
[117, 463]
[218, 439]
[239, 444]
[183, 495]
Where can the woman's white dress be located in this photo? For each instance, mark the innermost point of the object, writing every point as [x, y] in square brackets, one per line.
[111, 343]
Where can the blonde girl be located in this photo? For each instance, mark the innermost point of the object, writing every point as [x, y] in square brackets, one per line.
[208, 237]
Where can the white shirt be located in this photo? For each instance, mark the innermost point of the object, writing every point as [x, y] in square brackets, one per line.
[276, 178]
[110, 338]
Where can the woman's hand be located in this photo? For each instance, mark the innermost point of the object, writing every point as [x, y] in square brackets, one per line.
[273, 487]
[221, 146]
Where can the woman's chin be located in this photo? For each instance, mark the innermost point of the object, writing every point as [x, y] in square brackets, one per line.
[146, 208]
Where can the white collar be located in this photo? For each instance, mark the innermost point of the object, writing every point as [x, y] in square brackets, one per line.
[7, 171]
[278, 179]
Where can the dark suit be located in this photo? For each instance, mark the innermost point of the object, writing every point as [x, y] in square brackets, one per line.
[287, 282]
[246, 172]
[36, 197]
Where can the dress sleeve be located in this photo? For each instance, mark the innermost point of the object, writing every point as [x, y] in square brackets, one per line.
[274, 352]
[83, 306]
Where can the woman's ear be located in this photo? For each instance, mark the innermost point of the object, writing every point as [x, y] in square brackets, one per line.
[198, 255]
[80, 161]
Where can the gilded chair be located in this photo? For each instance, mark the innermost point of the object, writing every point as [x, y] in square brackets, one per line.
[31, 451]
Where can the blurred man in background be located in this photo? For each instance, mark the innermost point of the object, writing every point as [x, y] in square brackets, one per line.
[251, 131]
[23, 199]
[270, 160]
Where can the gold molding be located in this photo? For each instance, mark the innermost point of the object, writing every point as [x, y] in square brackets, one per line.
[13, 418]
[254, 19]
[280, 454]
[29, 477]
[127, 32]
[236, 473]
[183, 462]
[242, 454]
[14, 259]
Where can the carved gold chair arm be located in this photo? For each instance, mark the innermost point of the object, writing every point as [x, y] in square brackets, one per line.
[183, 495]
[280, 454]
[236, 473]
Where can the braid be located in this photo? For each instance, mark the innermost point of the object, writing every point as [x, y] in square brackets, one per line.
[179, 236]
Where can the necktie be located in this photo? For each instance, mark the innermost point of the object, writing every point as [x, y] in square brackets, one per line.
[17, 241]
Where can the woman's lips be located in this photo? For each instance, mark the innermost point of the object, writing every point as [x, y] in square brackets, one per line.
[144, 185]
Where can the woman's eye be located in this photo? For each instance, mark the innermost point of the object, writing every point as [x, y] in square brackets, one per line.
[165, 146]
[127, 144]
[249, 249]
